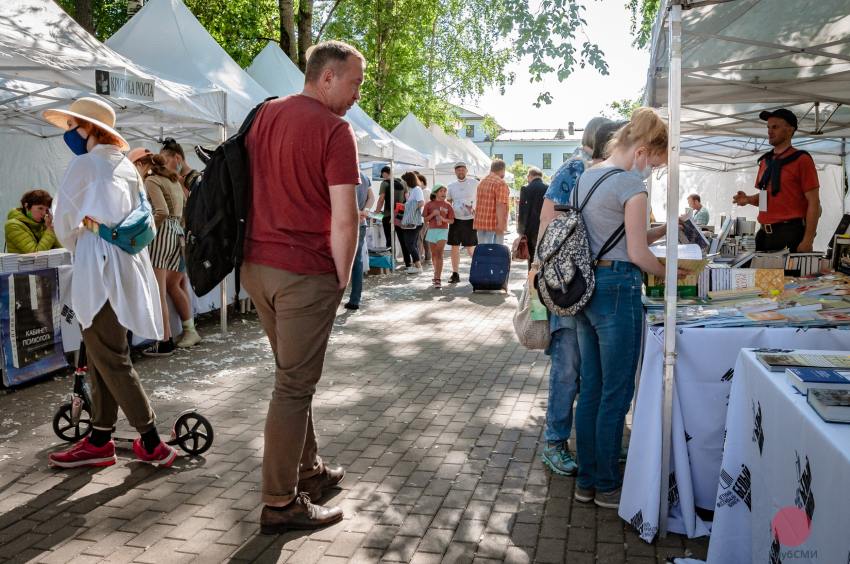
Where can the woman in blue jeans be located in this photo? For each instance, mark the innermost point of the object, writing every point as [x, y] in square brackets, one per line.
[609, 327]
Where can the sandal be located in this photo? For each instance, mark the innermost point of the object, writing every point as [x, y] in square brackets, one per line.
[437, 283]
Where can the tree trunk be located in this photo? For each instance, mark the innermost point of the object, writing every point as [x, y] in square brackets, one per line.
[84, 15]
[383, 39]
[287, 29]
[305, 31]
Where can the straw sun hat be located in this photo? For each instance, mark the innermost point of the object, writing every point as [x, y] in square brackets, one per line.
[91, 110]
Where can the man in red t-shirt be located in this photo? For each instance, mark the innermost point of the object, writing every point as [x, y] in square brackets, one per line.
[788, 197]
[299, 248]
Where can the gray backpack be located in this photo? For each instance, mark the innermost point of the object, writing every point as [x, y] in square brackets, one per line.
[566, 279]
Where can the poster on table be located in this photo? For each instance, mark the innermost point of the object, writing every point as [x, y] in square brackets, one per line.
[30, 326]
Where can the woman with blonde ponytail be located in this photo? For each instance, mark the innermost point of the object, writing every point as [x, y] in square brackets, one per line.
[609, 327]
[166, 195]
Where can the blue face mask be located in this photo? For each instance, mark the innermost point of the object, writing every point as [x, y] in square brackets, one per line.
[75, 141]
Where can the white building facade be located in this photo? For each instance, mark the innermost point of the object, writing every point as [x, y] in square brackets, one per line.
[545, 149]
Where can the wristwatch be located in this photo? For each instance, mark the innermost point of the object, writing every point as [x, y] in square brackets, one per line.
[536, 265]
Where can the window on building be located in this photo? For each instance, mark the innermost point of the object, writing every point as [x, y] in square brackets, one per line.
[518, 158]
[547, 161]
[470, 131]
[566, 157]
[499, 156]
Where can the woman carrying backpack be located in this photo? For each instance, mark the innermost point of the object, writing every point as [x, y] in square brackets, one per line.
[610, 325]
[112, 290]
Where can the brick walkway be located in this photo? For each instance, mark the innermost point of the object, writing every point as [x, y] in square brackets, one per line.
[427, 400]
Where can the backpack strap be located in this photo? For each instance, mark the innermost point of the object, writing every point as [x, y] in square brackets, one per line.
[593, 188]
[620, 232]
[249, 119]
[612, 242]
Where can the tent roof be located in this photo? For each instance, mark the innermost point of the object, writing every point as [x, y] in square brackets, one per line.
[740, 57]
[442, 150]
[47, 59]
[166, 37]
[279, 75]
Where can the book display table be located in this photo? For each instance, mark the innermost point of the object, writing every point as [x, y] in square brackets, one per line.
[783, 493]
[705, 372]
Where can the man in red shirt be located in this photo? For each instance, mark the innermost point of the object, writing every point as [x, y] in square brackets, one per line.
[299, 248]
[788, 197]
[491, 206]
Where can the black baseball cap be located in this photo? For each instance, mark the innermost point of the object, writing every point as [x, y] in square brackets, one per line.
[781, 113]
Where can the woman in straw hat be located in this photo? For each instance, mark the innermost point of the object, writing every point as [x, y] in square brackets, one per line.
[112, 291]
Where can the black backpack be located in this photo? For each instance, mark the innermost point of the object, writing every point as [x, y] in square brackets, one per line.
[217, 213]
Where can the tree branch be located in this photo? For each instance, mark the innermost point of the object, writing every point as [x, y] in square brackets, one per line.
[327, 19]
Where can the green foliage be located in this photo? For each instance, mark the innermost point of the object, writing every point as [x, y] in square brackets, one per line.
[107, 15]
[520, 172]
[643, 17]
[622, 109]
[241, 27]
[547, 35]
[491, 128]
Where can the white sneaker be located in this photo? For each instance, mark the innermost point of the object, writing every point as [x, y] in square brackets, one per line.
[189, 338]
[413, 270]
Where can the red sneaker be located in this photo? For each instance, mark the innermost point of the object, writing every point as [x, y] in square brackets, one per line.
[163, 455]
[84, 454]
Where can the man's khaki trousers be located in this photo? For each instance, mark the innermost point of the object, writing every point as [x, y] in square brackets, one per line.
[297, 313]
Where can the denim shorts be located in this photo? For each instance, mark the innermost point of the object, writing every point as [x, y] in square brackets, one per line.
[435, 235]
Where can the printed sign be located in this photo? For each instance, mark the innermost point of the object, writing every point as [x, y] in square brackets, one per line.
[30, 325]
[123, 86]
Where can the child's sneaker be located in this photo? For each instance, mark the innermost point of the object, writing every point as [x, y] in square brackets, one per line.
[163, 455]
[84, 454]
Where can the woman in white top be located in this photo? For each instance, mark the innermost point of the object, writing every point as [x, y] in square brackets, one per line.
[111, 291]
[411, 233]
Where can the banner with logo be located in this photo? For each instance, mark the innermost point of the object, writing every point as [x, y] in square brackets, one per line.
[30, 325]
[704, 376]
[783, 493]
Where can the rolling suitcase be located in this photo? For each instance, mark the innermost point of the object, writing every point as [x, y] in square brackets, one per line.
[491, 265]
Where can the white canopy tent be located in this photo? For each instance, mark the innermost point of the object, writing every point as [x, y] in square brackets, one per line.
[47, 60]
[443, 151]
[716, 64]
[278, 75]
[165, 36]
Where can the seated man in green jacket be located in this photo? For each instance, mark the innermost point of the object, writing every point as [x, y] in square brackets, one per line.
[29, 229]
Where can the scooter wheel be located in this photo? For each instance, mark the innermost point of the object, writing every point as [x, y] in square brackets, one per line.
[193, 433]
[64, 426]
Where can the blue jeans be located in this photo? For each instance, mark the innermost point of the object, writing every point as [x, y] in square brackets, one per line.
[563, 378]
[357, 270]
[490, 237]
[609, 338]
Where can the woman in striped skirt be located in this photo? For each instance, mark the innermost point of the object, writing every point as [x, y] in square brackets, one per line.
[166, 197]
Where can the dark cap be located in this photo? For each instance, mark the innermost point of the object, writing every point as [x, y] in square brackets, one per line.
[781, 113]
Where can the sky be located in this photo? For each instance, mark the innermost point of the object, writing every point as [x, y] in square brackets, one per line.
[585, 93]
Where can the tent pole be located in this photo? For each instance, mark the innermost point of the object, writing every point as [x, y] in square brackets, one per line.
[223, 286]
[391, 191]
[671, 278]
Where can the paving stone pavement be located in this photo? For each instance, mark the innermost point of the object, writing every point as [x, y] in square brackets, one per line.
[428, 401]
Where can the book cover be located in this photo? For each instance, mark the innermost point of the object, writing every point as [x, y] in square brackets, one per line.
[779, 362]
[832, 405]
[804, 378]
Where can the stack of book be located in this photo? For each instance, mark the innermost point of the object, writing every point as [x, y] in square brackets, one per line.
[11, 262]
[823, 378]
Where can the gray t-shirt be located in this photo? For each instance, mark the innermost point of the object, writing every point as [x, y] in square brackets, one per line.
[605, 210]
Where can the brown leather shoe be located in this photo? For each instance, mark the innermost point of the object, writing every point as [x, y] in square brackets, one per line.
[300, 514]
[315, 486]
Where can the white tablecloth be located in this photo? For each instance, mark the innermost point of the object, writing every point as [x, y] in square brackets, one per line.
[704, 375]
[784, 466]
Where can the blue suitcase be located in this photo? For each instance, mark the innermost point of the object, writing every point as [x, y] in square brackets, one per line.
[491, 265]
